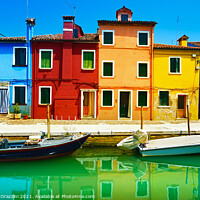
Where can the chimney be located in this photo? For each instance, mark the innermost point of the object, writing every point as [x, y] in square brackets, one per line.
[68, 27]
[183, 41]
[124, 14]
[30, 22]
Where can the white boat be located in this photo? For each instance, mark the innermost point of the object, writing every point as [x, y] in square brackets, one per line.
[181, 145]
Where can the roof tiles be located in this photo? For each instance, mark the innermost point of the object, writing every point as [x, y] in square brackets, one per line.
[166, 46]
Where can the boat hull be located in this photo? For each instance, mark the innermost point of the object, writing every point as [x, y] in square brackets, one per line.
[42, 152]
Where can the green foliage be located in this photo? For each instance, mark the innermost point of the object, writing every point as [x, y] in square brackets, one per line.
[16, 108]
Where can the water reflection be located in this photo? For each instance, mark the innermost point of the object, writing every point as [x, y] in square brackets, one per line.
[102, 174]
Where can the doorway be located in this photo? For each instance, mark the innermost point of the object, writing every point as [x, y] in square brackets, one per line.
[4, 104]
[125, 104]
[181, 107]
[88, 104]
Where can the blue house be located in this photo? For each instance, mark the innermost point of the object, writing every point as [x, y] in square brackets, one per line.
[16, 71]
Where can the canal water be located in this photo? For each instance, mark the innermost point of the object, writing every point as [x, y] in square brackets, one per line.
[102, 173]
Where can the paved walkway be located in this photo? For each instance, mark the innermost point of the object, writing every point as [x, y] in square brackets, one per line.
[96, 127]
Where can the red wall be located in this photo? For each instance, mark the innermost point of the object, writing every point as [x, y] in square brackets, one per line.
[66, 78]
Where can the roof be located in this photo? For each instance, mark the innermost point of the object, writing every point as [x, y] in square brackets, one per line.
[50, 37]
[124, 9]
[166, 46]
[127, 23]
[195, 43]
[184, 36]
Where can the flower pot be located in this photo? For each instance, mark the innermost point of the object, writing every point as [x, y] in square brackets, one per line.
[18, 115]
[11, 115]
[25, 116]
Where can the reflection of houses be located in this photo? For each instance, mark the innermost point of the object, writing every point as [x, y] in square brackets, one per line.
[15, 71]
[125, 62]
[176, 80]
[65, 73]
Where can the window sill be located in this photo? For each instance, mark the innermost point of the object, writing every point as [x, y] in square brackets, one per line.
[19, 65]
[107, 106]
[108, 44]
[107, 77]
[164, 107]
[20, 104]
[174, 73]
[87, 69]
[142, 77]
[143, 45]
[45, 68]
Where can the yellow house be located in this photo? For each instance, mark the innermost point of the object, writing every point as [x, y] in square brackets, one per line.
[176, 81]
[125, 67]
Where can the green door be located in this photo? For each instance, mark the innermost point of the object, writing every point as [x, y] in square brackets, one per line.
[124, 104]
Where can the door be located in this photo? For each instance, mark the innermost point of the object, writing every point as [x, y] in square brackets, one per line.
[88, 104]
[3, 100]
[181, 111]
[125, 104]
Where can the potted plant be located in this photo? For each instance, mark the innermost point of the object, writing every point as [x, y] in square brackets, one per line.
[17, 111]
[11, 115]
[25, 115]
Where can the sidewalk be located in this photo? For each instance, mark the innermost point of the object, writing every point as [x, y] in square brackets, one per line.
[96, 127]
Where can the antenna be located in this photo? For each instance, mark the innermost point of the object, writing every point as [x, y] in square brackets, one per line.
[71, 6]
[2, 35]
[177, 30]
[27, 9]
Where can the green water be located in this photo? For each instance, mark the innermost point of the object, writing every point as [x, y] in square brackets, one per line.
[102, 173]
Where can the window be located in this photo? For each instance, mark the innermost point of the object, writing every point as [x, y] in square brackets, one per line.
[87, 193]
[124, 17]
[108, 37]
[19, 57]
[172, 192]
[45, 94]
[142, 188]
[175, 65]
[143, 38]
[143, 70]
[19, 94]
[143, 98]
[108, 69]
[107, 98]
[88, 59]
[106, 189]
[163, 98]
[106, 165]
[46, 59]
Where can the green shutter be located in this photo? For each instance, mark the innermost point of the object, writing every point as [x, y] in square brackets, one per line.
[45, 95]
[164, 98]
[107, 69]
[173, 193]
[20, 56]
[108, 38]
[20, 95]
[88, 60]
[142, 98]
[143, 39]
[143, 70]
[107, 98]
[46, 59]
[175, 65]
[106, 190]
[142, 188]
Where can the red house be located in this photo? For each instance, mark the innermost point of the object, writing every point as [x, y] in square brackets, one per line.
[65, 73]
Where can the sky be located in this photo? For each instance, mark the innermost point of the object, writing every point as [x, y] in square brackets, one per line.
[48, 14]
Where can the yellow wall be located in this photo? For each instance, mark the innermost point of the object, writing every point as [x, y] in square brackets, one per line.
[187, 82]
[125, 53]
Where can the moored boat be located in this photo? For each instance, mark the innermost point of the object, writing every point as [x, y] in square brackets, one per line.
[40, 149]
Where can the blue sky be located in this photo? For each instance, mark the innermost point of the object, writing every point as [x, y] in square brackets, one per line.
[48, 14]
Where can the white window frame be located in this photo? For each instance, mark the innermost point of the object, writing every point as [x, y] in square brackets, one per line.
[106, 182]
[111, 165]
[40, 94]
[102, 97]
[159, 98]
[25, 86]
[175, 187]
[179, 66]
[40, 51]
[86, 50]
[142, 62]
[14, 54]
[108, 61]
[113, 32]
[138, 181]
[138, 33]
[147, 98]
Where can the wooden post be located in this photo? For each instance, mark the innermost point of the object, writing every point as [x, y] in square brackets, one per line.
[48, 122]
[141, 117]
[188, 119]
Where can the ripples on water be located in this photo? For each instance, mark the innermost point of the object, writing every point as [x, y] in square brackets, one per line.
[102, 173]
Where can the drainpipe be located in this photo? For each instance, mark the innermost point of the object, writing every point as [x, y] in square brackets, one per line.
[30, 22]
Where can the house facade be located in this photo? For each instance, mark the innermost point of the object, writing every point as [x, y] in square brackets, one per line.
[125, 67]
[16, 72]
[176, 81]
[65, 73]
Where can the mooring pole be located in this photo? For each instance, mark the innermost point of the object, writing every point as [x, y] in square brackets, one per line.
[141, 117]
[188, 119]
[48, 122]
